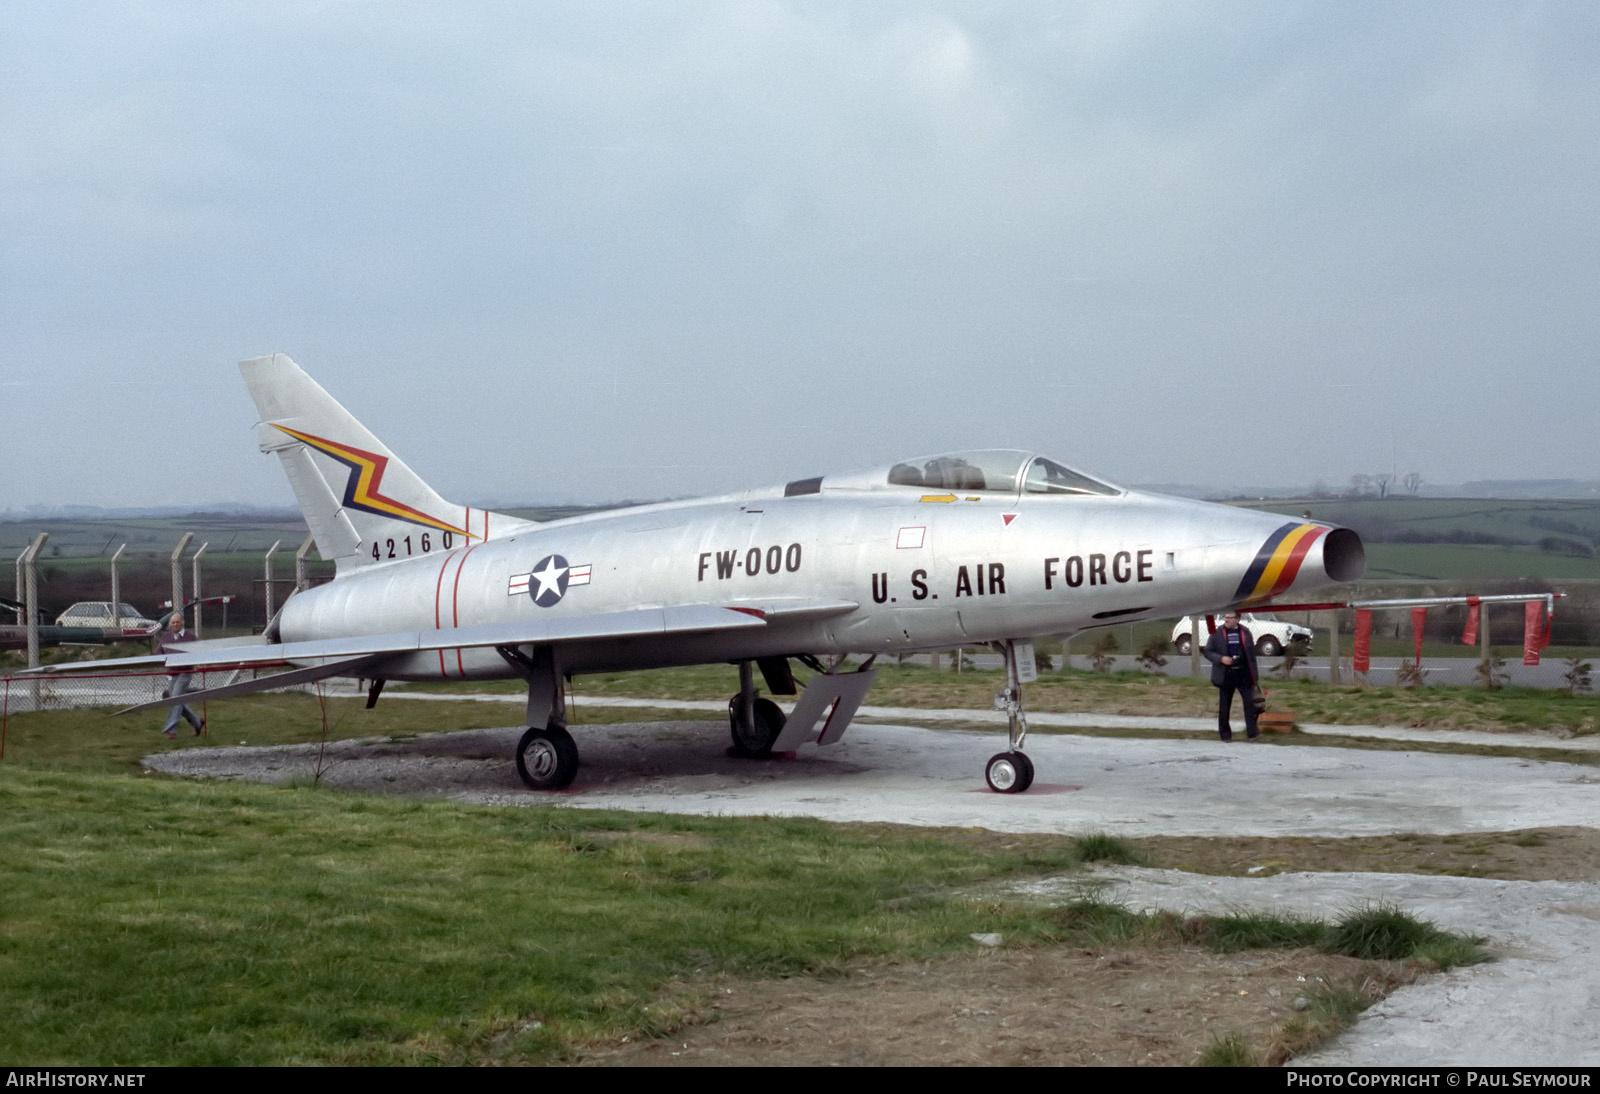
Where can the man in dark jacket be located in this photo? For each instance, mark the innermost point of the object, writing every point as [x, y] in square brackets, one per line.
[1232, 652]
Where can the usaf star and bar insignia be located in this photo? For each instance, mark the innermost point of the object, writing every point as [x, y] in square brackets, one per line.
[548, 581]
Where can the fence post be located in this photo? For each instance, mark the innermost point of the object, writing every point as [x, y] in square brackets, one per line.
[1485, 649]
[1334, 675]
[116, 592]
[1194, 647]
[177, 571]
[30, 605]
[198, 606]
[266, 572]
[302, 569]
[22, 554]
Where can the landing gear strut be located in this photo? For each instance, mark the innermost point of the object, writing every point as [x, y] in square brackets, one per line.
[754, 723]
[1011, 772]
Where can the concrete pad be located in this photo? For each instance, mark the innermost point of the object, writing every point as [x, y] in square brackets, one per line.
[1085, 784]
[1076, 720]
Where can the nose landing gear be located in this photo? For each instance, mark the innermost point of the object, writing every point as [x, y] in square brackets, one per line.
[1011, 772]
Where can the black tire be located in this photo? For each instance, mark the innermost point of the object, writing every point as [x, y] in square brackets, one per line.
[1182, 645]
[1268, 646]
[1027, 772]
[547, 759]
[1008, 772]
[754, 743]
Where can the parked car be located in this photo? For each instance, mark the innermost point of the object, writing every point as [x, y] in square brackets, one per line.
[97, 613]
[1272, 634]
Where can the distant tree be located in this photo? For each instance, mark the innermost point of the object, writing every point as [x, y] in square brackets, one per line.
[1359, 485]
[1412, 481]
[1382, 480]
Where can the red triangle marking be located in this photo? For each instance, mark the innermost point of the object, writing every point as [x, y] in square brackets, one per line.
[1008, 518]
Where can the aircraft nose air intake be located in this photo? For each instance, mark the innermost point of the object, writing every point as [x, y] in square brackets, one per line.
[1343, 556]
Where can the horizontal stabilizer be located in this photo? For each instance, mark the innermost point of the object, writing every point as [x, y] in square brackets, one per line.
[211, 648]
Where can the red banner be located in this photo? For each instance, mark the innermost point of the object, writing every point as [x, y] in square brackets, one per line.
[1419, 623]
[1533, 632]
[1469, 637]
[1362, 657]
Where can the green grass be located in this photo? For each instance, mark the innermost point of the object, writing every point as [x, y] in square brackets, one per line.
[156, 922]
[1380, 932]
[1231, 1050]
[1330, 1009]
[1383, 932]
[151, 921]
[1259, 930]
[1100, 847]
[92, 740]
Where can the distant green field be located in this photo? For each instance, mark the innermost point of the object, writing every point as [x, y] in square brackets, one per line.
[1446, 539]
[1529, 518]
[1457, 562]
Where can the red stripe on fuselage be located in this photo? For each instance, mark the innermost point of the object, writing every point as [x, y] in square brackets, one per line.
[455, 605]
[438, 588]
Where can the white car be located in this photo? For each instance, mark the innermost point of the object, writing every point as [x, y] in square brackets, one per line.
[1271, 633]
[97, 613]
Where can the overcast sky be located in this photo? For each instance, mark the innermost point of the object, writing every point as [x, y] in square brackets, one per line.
[593, 251]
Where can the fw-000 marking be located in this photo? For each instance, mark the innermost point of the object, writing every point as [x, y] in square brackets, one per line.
[988, 547]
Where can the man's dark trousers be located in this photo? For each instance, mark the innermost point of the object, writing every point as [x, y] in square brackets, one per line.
[1236, 682]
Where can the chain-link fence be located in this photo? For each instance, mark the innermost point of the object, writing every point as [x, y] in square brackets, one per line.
[1442, 664]
[27, 694]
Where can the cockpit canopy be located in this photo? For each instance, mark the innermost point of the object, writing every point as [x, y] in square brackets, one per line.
[981, 471]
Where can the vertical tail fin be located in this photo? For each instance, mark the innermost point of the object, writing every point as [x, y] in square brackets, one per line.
[362, 503]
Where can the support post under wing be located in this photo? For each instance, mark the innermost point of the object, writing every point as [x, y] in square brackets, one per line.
[830, 698]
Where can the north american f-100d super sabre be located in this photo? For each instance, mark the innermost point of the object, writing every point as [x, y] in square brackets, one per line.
[992, 547]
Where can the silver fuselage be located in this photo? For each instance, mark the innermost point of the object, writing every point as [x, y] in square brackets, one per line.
[923, 574]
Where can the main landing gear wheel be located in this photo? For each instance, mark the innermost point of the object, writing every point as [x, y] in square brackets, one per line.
[753, 738]
[547, 759]
[1009, 772]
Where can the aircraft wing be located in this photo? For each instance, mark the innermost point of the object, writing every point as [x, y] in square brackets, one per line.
[538, 632]
[350, 667]
[637, 622]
